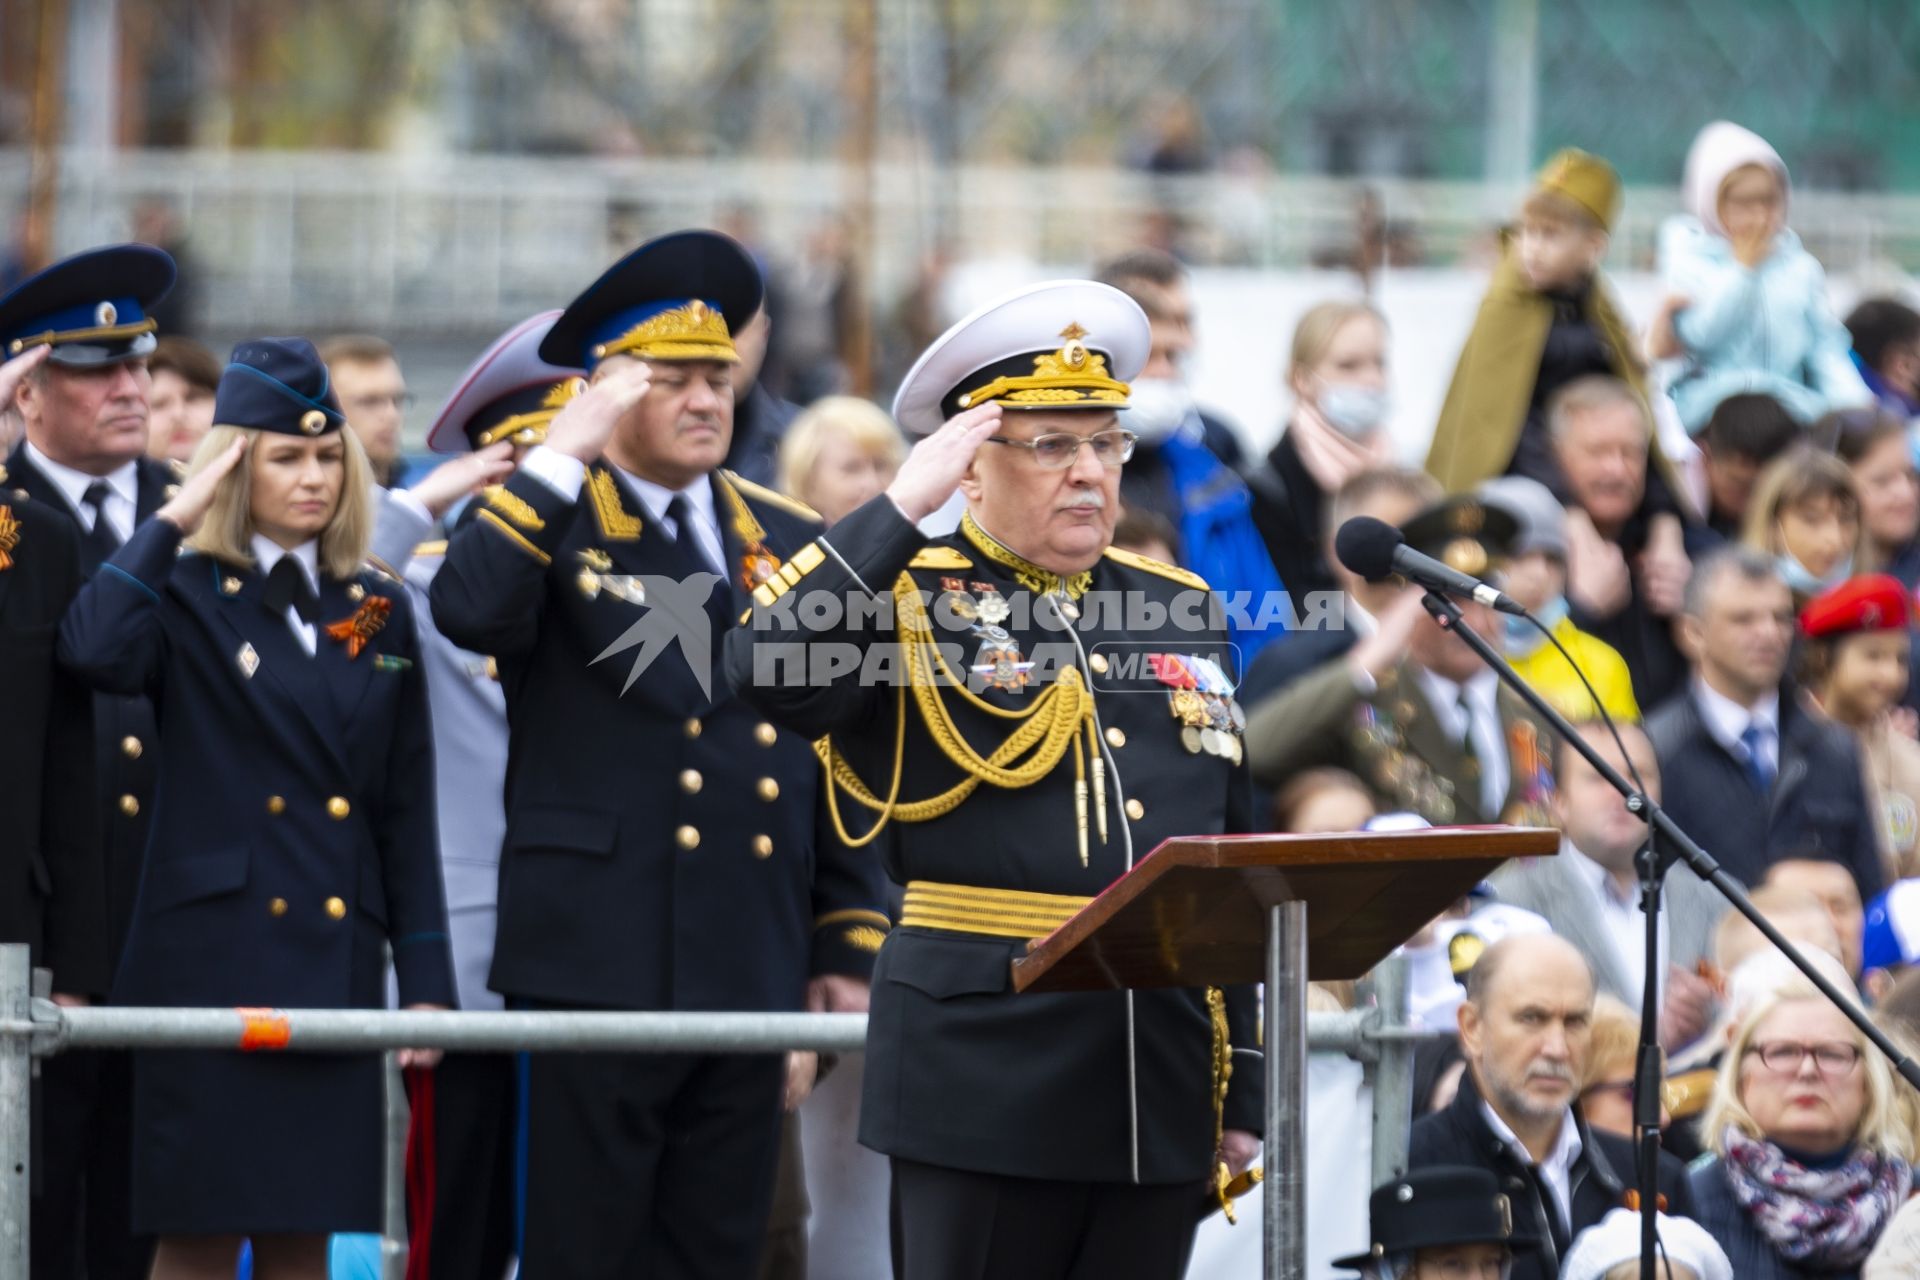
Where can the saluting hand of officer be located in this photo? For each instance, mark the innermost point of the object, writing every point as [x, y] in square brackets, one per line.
[15, 371]
[468, 473]
[938, 463]
[188, 507]
[582, 429]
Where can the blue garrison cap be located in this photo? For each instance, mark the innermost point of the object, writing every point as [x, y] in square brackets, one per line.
[679, 297]
[90, 308]
[277, 384]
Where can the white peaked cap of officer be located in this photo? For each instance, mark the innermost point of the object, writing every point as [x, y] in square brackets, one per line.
[1006, 341]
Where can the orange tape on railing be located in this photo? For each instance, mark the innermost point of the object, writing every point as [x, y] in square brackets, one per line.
[264, 1029]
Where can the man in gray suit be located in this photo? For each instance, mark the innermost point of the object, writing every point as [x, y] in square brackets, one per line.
[1591, 892]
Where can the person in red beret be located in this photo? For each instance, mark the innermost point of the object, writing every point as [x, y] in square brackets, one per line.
[1853, 664]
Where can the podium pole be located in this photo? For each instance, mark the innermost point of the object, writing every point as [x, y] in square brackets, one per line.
[1284, 1211]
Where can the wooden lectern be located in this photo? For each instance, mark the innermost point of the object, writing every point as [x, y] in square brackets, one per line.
[1218, 910]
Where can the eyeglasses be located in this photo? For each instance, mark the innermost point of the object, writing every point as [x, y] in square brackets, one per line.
[1783, 1056]
[1057, 451]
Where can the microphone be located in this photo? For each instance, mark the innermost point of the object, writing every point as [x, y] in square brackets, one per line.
[1375, 549]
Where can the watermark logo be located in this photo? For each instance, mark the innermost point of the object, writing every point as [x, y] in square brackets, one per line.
[675, 614]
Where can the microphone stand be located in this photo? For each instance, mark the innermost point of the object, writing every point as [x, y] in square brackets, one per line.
[1653, 868]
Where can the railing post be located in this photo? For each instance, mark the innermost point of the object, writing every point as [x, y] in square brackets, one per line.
[16, 1108]
[1392, 1071]
[393, 1223]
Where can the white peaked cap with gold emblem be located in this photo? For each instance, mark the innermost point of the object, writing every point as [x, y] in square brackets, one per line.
[1064, 344]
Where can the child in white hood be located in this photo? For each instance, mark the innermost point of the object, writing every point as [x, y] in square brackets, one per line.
[1753, 313]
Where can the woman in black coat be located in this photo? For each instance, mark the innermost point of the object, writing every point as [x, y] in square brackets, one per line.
[293, 834]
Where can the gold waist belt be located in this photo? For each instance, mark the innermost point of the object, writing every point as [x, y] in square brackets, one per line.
[998, 913]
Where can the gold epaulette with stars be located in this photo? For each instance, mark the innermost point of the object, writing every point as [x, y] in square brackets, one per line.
[773, 498]
[799, 565]
[937, 557]
[513, 507]
[1147, 564]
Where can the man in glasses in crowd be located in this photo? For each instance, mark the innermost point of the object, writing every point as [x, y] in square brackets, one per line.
[1042, 1135]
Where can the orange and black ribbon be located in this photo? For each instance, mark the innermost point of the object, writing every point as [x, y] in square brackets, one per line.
[362, 626]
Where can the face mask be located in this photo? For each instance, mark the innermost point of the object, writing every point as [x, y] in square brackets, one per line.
[1352, 409]
[1521, 639]
[1800, 579]
[1156, 407]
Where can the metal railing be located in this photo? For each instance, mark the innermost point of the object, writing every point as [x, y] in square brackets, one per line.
[33, 1027]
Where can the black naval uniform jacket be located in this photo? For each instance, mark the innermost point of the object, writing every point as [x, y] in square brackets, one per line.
[293, 826]
[661, 848]
[52, 886]
[125, 745]
[960, 1071]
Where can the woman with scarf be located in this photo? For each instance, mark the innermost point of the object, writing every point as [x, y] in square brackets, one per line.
[1806, 515]
[1810, 1156]
[1338, 376]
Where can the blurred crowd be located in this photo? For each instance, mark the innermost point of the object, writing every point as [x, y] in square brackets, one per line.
[1715, 519]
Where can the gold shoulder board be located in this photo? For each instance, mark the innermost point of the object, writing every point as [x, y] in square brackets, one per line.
[937, 557]
[773, 498]
[1147, 564]
[1688, 1092]
[438, 548]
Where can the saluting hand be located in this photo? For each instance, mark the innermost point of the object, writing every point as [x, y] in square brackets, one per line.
[937, 464]
[457, 477]
[15, 371]
[582, 429]
[189, 506]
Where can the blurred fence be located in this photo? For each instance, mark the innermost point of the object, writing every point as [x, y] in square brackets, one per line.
[466, 245]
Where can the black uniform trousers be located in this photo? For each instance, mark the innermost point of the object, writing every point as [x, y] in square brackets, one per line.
[693, 1136]
[952, 1224]
[460, 1167]
[82, 1200]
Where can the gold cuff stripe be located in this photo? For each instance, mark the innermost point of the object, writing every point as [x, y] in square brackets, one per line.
[999, 913]
[516, 535]
[853, 914]
[799, 565]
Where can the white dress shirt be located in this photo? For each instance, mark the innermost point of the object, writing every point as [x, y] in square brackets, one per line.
[1557, 1169]
[266, 554]
[1619, 915]
[1483, 695]
[565, 474]
[1727, 721]
[123, 499]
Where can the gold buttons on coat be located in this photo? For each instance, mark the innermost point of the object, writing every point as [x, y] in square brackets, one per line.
[276, 805]
[763, 846]
[337, 807]
[1116, 736]
[337, 908]
[691, 781]
[687, 837]
[765, 734]
[1099, 664]
[278, 907]
[1136, 810]
[130, 805]
[768, 789]
[693, 728]
[130, 747]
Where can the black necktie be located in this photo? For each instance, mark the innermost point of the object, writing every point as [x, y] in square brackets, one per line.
[101, 541]
[287, 589]
[1467, 749]
[680, 512]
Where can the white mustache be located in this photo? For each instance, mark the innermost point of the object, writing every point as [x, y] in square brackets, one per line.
[1090, 498]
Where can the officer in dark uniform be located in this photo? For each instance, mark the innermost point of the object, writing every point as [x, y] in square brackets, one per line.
[294, 825]
[53, 898]
[84, 456]
[1034, 712]
[661, 848]
[1430, 1224]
